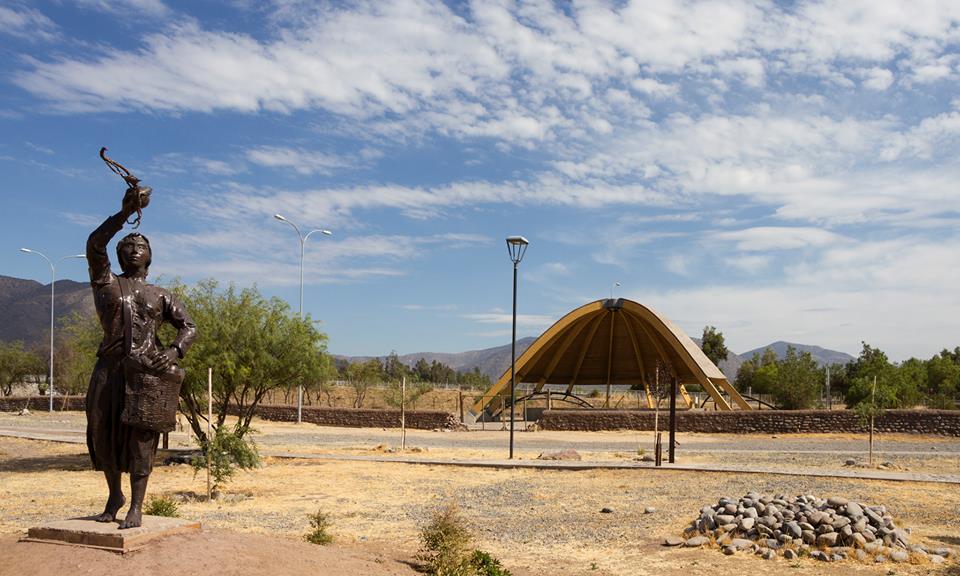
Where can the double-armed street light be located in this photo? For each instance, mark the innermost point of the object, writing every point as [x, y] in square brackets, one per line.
[516, 247]
[53, 281]
[303, 240]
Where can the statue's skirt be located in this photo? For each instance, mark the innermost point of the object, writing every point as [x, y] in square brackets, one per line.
[114, 446]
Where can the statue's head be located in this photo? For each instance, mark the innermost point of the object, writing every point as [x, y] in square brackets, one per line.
[134, 254]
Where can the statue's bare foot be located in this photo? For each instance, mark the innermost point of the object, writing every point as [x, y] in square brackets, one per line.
[133, 518]
[114, 504]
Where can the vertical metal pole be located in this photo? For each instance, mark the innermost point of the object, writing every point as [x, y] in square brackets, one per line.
[673, 417]
[403, 413]
[53, 282]
[513, 358]
[300, 385]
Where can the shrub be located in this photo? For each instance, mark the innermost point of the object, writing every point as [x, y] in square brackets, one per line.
[227, 452]
[162, 506]
[320, 525]
[446, 548]
[486, 565]
[446, 544]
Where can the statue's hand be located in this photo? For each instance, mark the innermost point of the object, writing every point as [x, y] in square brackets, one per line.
[161, 361]
[136, 197]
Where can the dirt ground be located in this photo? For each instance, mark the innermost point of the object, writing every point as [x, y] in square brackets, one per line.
[538, 522]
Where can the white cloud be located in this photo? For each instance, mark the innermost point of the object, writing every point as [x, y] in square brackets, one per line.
[751, 263]
[678, 264]
[125, 8]
[750, 71]
[524, 320]
[304, 162]
[872, 291]
[27, 23]
[767, 238]
[878, 79]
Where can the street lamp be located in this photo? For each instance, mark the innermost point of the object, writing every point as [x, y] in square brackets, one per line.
[516, 247]
[53, 281]
[303, 240]
[612, 286]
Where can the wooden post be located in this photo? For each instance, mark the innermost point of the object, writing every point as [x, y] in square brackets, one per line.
[657, 451]
[673, 418]
[460, 403]
[549, 401]
[873, 408]
[209, 424]
[166, 440]
[403, 413]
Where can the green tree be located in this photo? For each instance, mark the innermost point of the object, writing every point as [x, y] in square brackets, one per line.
[16, 363]
[254, 345]
[713, 345]
[362, 375]
[474, 379]
[943, 379]
[896, 386]
[798, 380]
[744, 382]
[393, 395]
[77, 342]
[393, 369]
[765, 376]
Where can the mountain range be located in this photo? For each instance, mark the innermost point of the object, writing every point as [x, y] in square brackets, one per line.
[494, 361]
[25, 316]
[25, 307]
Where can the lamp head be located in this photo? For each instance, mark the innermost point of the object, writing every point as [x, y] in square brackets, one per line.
[27, 250]
[326, 233]
[279, 217]
[517, 247]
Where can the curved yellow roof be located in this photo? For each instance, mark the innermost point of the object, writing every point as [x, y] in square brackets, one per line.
[614, 342]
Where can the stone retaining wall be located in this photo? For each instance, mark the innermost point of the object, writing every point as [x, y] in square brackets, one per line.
[941, 422]
[348, 417]
[361, 418]
[41, 403]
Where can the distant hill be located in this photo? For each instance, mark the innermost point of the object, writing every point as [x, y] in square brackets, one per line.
[823, 356]
[491, 361]
[25, 307]
[494, 361]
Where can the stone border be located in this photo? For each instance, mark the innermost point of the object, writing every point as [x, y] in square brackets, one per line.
[323, 416]
[937, 422]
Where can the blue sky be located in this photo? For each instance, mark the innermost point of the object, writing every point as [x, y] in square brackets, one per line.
[781, 170]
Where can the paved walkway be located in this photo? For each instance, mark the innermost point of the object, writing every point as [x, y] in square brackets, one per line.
[859, 474]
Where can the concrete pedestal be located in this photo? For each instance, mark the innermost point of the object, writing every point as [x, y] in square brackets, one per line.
[107, 535]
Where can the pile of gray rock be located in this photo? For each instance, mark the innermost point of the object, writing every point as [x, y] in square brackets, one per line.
[828, 529]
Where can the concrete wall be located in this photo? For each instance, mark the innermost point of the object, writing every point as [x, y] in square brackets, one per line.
[941, 422]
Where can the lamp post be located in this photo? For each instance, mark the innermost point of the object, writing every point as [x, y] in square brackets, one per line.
[303, 240]
[53, 281]
[612, 286]
[516, 247]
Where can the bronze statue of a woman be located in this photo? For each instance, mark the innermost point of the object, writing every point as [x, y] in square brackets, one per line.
[135, 384]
